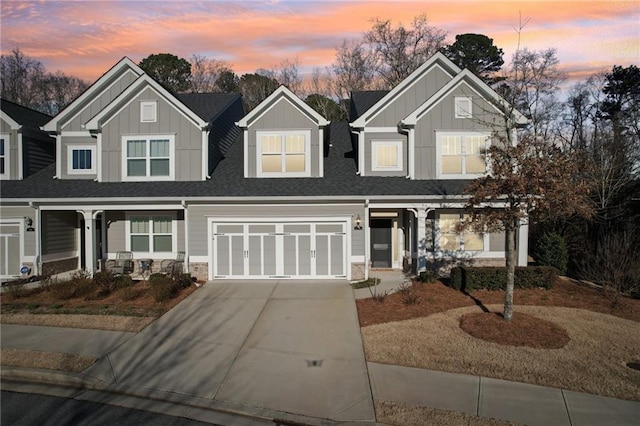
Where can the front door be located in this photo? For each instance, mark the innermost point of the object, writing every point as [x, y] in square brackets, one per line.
[381, 243]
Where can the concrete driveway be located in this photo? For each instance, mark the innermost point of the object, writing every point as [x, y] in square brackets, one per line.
[290, 346]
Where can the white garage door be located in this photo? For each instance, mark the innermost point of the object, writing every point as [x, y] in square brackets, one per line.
[279, 250]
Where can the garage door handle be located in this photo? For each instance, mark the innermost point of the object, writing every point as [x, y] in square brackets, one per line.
[313, 254]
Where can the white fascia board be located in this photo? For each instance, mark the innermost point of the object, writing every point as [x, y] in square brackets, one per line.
[10, 121]
[271, 100]
[127, 97]
[477, 85]
[439, 60]
[90, 93]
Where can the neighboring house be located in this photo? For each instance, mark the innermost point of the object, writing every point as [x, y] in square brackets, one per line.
[284, 194]
[24, 150]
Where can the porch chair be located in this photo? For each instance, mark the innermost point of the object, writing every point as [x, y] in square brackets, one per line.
[172, 266]
[122, 264]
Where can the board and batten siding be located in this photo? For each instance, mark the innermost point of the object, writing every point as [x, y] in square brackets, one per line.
[59, 232]
[18, 214]
[101, 101]
[386, 137]
[441, 117]
[188, 138]
[412, 98]
[198, 218]
[284, 116]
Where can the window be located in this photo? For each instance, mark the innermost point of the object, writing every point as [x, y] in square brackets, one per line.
[147, 158]
[81, 159]
[452, 240]
[283, 154]
[4, 156]
[151, 234]
[463, 107]
[461, 155]
[148, 111]
[386, 155]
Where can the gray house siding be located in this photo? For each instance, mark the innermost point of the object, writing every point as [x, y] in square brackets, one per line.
[99, 102]
[285, 117]
[442, 118]
[198, 218]
[412, 98]
[59, 232]
[387, 137]
[188, 138]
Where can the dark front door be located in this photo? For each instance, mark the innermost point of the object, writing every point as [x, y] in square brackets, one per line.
[381, 243]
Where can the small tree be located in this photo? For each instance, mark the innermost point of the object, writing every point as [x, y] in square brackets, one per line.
[529, 180]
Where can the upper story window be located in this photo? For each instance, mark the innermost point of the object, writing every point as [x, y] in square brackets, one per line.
[463, 107]
[283, 154]
[148, 158]
[4, 156]
[81, 159]
[148, 111]
[453, 240]
[386, 155]
[461, 155]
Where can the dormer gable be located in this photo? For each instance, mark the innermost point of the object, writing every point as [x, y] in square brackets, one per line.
[283, 137]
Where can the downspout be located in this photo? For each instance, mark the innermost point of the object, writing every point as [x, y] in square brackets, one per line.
[38, 256]
[95, 255]
[185, 264]
[360, 153]
[367, 242]
[410, 132]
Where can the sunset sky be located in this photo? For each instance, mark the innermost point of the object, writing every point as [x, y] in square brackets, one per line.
[85, 38]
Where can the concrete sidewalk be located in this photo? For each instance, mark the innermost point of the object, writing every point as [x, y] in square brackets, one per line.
[289, 350]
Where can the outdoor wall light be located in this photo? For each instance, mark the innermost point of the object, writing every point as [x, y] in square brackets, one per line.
[29, 222]
[358, 223]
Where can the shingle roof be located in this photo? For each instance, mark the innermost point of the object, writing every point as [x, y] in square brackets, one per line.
[228, 180]
[23, 115]
[207, 105]
[362, 101]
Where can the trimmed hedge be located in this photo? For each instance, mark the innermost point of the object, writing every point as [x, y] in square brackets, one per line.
[495, 278]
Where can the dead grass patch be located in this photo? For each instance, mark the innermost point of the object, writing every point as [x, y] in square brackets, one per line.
[593, 361]
[45, 360]
[397, 413]
[98, 322]
[522, 330]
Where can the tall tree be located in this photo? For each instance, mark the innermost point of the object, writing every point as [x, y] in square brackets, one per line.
[255, 88]
[477, 53]
[228, 82]
[169, 70]
[400, 50]
[205, 73]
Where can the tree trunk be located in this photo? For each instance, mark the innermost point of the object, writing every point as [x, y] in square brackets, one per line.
[511, 230]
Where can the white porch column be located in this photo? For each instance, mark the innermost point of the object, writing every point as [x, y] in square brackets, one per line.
[523, 243]
[421, 240]
[89, 240]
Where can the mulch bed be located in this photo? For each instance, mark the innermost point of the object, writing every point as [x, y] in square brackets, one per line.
[522, 330]
[434, 298]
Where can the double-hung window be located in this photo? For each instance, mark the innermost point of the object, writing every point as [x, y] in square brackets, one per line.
[452, 239]
[81, 159]
[283, 154]
[461, 155]
[386, 156]
[151, 234]
[4, 156]
[148, 158]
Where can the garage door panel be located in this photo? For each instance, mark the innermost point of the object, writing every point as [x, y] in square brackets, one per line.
[304, 255]
[322, 255]
[237, 255]
[222, 253]
[255, 255]
[337, 255]
[270, 255]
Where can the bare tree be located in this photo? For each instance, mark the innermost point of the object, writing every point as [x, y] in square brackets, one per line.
[399, 51]
[353, 70]
[205, 73]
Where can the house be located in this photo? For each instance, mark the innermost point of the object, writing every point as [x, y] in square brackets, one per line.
[277, 193]
[24, 150]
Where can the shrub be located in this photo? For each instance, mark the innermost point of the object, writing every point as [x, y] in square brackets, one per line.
[123, 281]
[107, 281]
[79, 284]
[551, 250]
[63, 290]
[162, 287]
[495, 278]
[130, 293]
[429, 276]
[16, 288]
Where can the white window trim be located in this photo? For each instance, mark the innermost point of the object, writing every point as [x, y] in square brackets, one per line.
[307, 148]
[460, 111]
[375, 145]
[439, 174]
[153, 104]
[147, 177]
[485, 237]
[7, 156]
[153, 254]
[71, 170]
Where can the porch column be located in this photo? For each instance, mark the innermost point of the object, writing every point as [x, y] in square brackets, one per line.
[421, 235]
[523, 243]
[89, 240]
